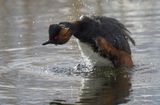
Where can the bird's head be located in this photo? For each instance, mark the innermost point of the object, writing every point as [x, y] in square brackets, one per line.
[58, 34]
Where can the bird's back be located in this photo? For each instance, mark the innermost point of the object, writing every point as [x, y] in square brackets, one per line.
[114, 32]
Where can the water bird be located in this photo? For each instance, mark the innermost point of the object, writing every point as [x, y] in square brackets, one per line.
[103, 39]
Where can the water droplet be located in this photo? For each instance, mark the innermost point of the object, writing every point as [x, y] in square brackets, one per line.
[35, 53]
[33, 22]
[19, 43]
[20, 35]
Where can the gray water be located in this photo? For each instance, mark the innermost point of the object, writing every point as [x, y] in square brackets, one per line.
[32, 74]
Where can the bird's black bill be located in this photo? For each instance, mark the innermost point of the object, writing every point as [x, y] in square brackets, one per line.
[45, 43]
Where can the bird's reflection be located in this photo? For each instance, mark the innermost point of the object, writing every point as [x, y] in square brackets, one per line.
[104, 86]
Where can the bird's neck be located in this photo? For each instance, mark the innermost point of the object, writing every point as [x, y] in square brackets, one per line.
[73, 26]
[76, 28]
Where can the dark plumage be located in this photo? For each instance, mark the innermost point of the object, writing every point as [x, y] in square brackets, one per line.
[105, 35]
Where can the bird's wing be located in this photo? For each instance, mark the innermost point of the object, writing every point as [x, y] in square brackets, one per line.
[106, 47]
[117, 56]
[118, 40]
[114, 28]
[116, 35]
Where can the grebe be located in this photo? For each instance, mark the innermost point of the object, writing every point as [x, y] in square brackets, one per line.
[103, 40]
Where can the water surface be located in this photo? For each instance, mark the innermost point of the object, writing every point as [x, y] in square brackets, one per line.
[32, 74]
